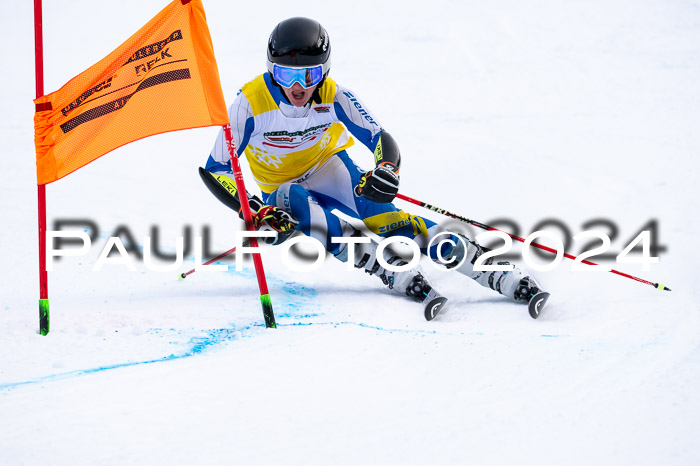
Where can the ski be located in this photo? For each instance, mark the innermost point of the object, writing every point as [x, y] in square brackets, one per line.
[537, 303]
[433, 304]
[433, 307]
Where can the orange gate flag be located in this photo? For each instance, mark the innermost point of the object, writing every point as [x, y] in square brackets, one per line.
[164, 78]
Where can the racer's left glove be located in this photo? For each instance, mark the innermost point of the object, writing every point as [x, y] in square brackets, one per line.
[381, 184]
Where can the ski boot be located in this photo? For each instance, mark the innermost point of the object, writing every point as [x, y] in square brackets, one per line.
[420, 289]
[410, 283]
[529, 291]
[513, 284]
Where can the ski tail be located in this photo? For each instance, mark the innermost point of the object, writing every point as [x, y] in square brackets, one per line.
[433, 306]
[537, 304]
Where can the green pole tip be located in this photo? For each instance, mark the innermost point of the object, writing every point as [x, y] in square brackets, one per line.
[181, 276]
[267, 311]
[44, 316]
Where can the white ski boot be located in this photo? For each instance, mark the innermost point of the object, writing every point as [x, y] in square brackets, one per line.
[408, 283]
[513, 284]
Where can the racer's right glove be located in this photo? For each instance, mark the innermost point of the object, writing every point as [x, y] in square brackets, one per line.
[271, 218]
[265, 217]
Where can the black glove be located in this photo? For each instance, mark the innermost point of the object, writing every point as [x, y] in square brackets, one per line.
[270, 218]
[380, 184]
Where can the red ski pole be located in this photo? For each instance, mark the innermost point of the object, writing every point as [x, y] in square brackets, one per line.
[522, 240]
[248, 217]
[184, 275]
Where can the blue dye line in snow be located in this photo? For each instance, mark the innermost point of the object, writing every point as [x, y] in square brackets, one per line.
[301, 295]
[373, 327]
[300, 298]
[215, 337]
[199, 345]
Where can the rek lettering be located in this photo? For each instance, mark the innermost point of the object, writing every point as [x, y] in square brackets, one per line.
[154, 48]
[147, 66]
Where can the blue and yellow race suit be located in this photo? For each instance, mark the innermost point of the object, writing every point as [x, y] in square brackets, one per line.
[298, 157]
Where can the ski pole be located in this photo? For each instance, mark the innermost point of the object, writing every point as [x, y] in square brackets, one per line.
[265, 301]
[184, 275]
[522, 240]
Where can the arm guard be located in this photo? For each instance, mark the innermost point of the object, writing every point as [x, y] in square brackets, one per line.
[224, 189]
[387, 150]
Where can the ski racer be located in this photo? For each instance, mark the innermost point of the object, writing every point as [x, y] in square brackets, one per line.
[294, 124]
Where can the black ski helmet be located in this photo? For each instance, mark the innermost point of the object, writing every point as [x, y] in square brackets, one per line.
[299, 42]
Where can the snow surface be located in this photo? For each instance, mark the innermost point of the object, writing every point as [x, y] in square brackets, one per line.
[505, 109]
